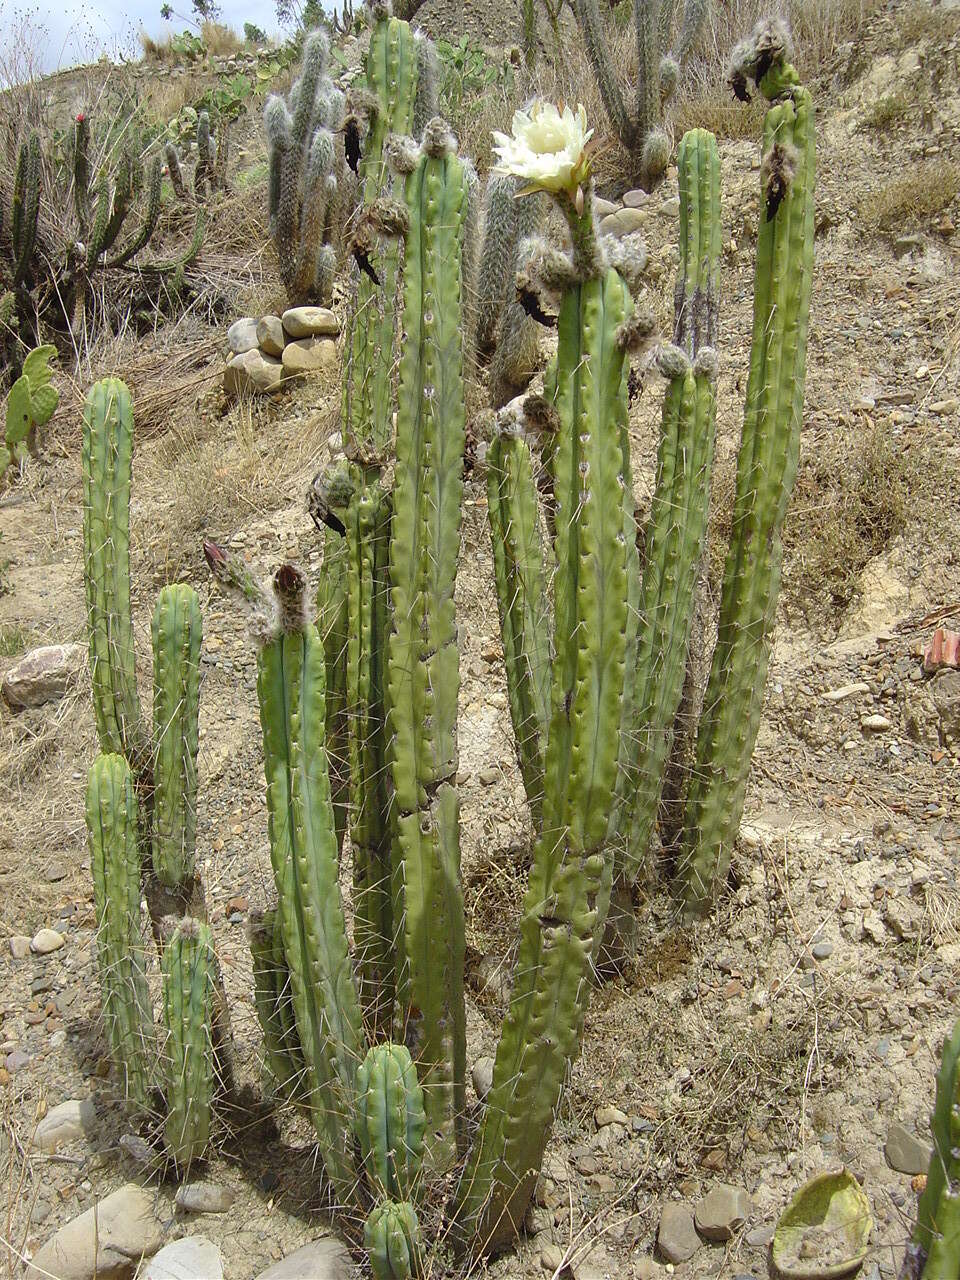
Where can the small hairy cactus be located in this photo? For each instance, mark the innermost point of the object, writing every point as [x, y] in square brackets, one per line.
[766, 469]
[177, 631]
[112, 820]
[31, 403]
[391, 1235]
[188, 1057]
[933, 1252]
[305, 171]
[636, 115]
[390, 1120]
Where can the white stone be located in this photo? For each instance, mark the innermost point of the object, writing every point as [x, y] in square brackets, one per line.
[623, 223]
[242, 335]
[252, 371]
[192, 1258]
[846, 691]
[46, 940]
[107, 1241]
[204, 1197]
[311, 322]
[310, 355]
[44, 674]
[64, 1122]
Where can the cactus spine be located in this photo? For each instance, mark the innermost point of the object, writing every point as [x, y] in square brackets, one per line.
[934, 1249]
[112, 821]
[303, 851]
[188, 1060]
[569, 887]
[640, 128]
[766, 469]
[678, 519]
[177, 633]
[391, 1235]
[390, 1120]
[304, 176]
[423, 660]
[522, 600]
[107, 462]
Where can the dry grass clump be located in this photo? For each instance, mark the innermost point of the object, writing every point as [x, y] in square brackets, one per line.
[924, 190]
[885, 113]
[220, 39]
[924, 21]
[715, 109]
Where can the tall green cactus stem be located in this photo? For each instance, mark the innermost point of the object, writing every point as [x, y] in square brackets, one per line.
[390, 1121]
[566, 900]
[112, 821]
[678, 519]
[188, 966]
[303, 851]
[332, 623]
[368, 546]
[933, 1252]
[177, 631]
[523, 605]
[423, 660]
[529, 33]
[639, 124]
[392, 82]
[107, 459]
[27, 183]
[766, 469]
[391, 1235]
[304, 174]
[283, 1058]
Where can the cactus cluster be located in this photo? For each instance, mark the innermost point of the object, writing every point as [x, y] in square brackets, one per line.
[306, 176]
[31, 403]
[636, 113]
[141, 810]
[51, 282]
[210, 168]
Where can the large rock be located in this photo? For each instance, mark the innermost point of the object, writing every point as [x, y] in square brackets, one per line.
[44, 674]
[677, 1237]
[905, 1152]
[623, 223]
[107, 1241]
[192, 1258]
[63, 1123]
[325, 1259]
[722, 1212]
[270, 336]
[242, 335]
[252, 371]
[311, 322]
[310, 355]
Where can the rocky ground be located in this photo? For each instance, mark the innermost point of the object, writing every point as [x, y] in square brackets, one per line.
[796, 1032]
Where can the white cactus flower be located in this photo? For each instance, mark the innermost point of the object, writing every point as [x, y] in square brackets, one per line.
[546, 147]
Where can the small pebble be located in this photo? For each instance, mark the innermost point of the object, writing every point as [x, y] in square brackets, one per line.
[822, 950]
[45, 941]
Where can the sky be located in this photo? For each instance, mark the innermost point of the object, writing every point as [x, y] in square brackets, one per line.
[68, 32]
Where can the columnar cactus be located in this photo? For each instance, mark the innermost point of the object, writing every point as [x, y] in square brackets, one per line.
[210, 170]
[112, 821]
[766, 468]
[522, 599]
[283, 1057]
[188, 1057]
[177, 634]
[639, 126]
[678, 520]
[303, 851]
[423, 659]
[107, 462]
[933, 1252]
[391, 1235]
[390, 1121]
[304, 176]
[27, 183]
[566, 901]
